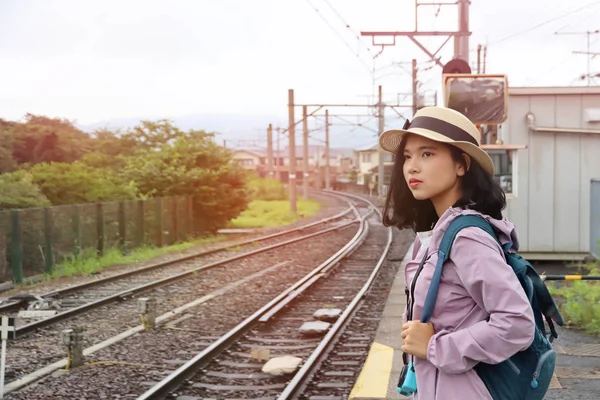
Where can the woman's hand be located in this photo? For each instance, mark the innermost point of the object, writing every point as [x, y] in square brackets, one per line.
[416, 337]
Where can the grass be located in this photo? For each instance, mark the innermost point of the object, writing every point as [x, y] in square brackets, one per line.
[581, 306]
[86, 264]
[266, 214]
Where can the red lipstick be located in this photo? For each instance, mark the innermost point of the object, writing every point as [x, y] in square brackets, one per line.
[414, 182]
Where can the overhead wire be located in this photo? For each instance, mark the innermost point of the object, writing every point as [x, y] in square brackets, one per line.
[544, 23]
[369, 69]
[349, 28]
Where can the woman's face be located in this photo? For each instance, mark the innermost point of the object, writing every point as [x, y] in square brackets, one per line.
[430, 171]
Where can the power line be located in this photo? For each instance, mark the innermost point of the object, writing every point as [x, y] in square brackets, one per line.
[338, 35]
[349, 28]
[545, 23]
[586, 16]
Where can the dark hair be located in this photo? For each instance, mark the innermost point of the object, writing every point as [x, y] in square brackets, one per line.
[480, 193]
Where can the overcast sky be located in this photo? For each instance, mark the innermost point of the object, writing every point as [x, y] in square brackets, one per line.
[95, 60]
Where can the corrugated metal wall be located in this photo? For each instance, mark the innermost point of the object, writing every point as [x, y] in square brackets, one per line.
[551, 209]
[595, 219]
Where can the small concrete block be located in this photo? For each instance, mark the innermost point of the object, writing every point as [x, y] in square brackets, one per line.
[325, 398]
[29, 314]
[314, 327]
[281, 365]
[260, 354]
[327, 314]
[332, 385]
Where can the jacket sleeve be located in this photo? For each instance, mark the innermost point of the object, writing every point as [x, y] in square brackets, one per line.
[493, 285]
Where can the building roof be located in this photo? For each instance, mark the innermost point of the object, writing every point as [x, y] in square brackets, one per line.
[552, 90]
[372, 147]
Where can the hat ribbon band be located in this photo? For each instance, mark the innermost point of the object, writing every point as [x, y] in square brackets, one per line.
[443, 128]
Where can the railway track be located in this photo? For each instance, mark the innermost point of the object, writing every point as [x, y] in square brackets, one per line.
[228, 368]
[42, 350]
[68, 302]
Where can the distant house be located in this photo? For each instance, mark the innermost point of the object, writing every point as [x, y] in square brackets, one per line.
[248, 159]
[368, 164]
[341, 162]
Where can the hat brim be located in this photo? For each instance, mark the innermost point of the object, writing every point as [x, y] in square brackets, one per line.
[390, 142]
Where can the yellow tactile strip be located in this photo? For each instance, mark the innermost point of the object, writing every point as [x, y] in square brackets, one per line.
[577, 373]
[554, 383]
[589, 350]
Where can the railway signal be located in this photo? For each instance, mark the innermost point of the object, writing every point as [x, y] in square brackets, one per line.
[482, 98]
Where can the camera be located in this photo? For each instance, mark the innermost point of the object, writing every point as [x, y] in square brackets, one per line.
[407, 385]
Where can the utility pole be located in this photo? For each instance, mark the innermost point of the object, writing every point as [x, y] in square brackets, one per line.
[461, 37]
[589, 54]
[461, 42]
[305, 152]
[278, 158]
[379, 152]
[292, 163]
[270, 150]
[327, 172]
[484, 58]
[479, 58]
[415, 94]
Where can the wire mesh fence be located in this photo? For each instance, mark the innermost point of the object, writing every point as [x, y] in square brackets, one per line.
[34, 240]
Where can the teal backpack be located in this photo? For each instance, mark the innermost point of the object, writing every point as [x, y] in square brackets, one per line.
[527, 374]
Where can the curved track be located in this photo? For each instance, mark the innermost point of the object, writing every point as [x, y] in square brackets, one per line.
[339, 283]
[78, 299]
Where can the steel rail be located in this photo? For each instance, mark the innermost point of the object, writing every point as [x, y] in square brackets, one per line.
[163, 388]
[72, 289]
[301, 378]
[147, 286]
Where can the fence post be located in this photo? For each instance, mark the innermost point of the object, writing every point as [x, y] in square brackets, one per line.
[16, 246]
[100, 229]
[159, 225]
[175, 220]
[122, 227]
[190, 217]
[141, 225]
[48, 238]
[76, 220]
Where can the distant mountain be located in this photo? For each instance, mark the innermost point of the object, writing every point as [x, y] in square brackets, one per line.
[250, 130]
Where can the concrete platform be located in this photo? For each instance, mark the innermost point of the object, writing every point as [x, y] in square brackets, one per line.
[577, 373]
[379, 376]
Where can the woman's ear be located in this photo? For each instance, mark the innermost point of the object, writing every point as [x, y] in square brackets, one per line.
[462, 169]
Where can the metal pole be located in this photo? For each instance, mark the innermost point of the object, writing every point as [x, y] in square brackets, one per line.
[292, 163]
[327, 171]
[305, 152]
[379, 152]
[414, 87]
[278, 158]
[589, 77]
[484, 58]
[461, 43]
[570, 277]
[270, 150]
[479, 58]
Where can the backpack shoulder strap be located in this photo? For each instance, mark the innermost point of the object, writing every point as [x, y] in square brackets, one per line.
[455, 226]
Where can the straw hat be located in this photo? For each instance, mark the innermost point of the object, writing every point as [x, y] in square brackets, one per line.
[441, 125]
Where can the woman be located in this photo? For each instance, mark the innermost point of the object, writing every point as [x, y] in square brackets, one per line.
[481, 313]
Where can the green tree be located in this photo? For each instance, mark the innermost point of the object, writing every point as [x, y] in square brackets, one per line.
[192, 164]
[64, 183]
[18, 191]
[7, 161]
[42, 139]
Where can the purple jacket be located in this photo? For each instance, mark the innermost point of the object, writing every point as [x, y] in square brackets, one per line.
[476, 283]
